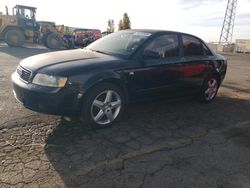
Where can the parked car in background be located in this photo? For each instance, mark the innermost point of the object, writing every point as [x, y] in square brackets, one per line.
[97, 82]
[106, 33]
[84, 37]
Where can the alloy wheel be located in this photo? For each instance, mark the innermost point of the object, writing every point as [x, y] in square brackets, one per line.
[211, 90]
[106, 107]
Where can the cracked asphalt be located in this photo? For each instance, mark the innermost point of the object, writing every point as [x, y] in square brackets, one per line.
[172, 144]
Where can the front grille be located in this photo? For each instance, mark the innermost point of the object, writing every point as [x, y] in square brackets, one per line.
[24, 74]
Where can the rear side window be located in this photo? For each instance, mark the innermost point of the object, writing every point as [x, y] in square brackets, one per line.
[163, 47]
[206, 50]
[191, 46]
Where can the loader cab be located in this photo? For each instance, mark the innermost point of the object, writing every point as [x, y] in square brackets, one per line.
[26, 17]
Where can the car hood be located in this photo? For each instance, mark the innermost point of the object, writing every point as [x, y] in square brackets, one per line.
[65, 60]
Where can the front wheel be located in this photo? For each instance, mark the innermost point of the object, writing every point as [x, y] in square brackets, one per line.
[209, 89]
[103, 105]
[54, 41]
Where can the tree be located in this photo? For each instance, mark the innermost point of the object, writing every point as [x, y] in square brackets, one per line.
[120, 25]
[124, 23]
[111, 26]
[67, 31]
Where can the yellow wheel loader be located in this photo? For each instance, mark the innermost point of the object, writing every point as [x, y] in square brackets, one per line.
[21, 27]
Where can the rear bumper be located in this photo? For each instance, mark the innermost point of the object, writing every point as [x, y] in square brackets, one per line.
[55, 101]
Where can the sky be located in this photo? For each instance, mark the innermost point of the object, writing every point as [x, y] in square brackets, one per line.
[202, 18]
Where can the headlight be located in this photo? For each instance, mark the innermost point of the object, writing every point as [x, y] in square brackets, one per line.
[48, 80]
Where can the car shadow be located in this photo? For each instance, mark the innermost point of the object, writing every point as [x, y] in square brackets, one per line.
[235, 88]
[76, 151]
[23, 52]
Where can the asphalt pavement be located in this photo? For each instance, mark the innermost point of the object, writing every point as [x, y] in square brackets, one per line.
[171, 144]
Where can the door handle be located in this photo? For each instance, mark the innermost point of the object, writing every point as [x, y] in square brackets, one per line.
[131, 73]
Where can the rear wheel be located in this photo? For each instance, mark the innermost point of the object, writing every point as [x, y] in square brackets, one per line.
[209, 89]
[103, 105]
[54, 41]
[14, 37]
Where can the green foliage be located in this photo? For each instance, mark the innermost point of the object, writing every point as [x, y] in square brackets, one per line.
[120, 25]
[111, 26]
[124, 23]
[67, 31]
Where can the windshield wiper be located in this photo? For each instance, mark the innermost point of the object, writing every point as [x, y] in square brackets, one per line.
[98, 51]
[101, 52]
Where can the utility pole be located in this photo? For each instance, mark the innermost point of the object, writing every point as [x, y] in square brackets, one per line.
[228, 23]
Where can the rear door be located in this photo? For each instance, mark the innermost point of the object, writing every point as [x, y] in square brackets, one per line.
[194, 63]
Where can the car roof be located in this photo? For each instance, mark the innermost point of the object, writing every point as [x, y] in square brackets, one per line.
[154, 31]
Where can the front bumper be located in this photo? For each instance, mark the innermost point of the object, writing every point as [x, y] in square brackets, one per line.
[48, 100]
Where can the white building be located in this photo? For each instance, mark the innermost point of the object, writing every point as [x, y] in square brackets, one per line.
[242, 45]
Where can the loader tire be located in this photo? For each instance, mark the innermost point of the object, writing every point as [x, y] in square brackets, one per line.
[54, 41]
[14, 38]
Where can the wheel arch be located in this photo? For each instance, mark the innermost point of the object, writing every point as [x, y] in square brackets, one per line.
[218, 76]
[106, 77]
[214, 74]
[11, 28]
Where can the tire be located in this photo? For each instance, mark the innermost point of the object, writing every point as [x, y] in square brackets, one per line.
[44, 37]
[54, 41]
[14, 37]
[209, 89]
[103, 105]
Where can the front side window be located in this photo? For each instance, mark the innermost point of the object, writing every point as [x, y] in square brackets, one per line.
[25, 13]
[191, 46]
[163, 47]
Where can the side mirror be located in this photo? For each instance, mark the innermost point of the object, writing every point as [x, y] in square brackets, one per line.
[148, 54]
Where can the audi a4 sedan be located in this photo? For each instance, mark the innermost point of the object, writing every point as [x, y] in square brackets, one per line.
[96, 83]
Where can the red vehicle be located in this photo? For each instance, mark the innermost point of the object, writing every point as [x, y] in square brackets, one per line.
[84, 37]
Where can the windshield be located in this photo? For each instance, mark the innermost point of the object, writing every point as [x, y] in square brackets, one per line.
[120, 43]
[25, 13]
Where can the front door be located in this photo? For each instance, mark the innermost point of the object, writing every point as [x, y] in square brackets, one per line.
[159, 68]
